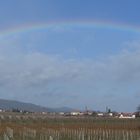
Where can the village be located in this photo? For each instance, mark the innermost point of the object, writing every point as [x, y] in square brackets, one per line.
[23, 114]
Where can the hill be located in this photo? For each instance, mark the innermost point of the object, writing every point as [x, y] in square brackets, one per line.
[11, 104]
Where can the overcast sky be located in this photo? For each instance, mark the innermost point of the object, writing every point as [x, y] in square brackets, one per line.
[72, 53]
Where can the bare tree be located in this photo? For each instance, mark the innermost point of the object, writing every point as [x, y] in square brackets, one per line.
[138, 111]
[138, 108]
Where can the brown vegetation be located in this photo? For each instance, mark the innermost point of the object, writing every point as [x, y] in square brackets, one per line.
[73, 128]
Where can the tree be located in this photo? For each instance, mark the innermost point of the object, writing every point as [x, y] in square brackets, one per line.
[138, 108]
[138, 111]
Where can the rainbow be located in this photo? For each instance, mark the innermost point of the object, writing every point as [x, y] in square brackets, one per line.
[31, 27]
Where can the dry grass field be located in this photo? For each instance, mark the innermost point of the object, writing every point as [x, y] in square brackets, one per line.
[68, 128]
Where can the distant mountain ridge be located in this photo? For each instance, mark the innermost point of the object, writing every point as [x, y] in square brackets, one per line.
[12, 104]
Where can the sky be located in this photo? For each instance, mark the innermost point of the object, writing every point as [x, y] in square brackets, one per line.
[72, 53]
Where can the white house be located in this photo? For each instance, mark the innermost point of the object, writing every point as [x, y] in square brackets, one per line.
[127, 116]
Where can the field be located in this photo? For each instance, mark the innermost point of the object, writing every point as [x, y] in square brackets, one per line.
[68, 128]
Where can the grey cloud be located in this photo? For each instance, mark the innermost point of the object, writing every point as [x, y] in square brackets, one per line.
[31, 75]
